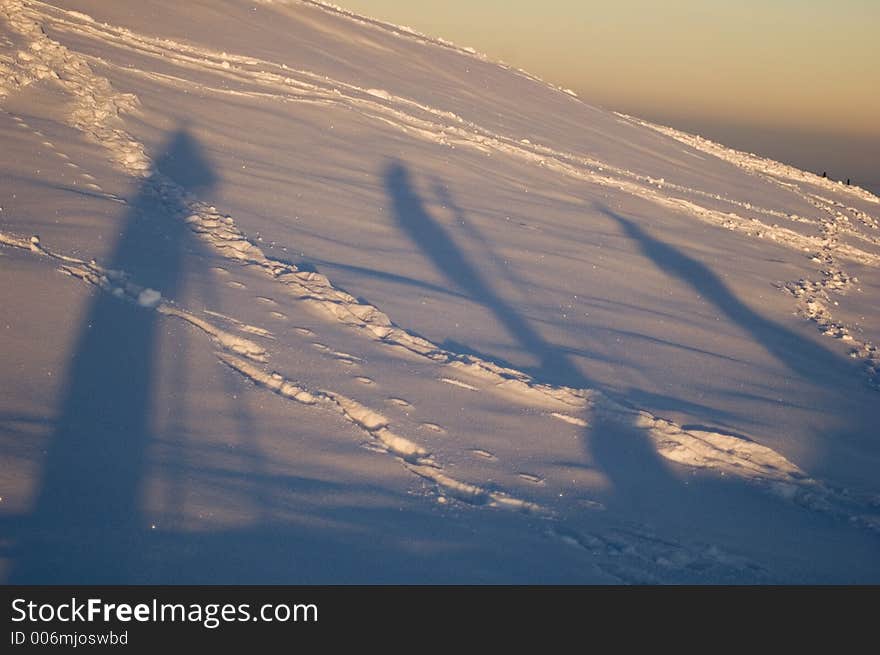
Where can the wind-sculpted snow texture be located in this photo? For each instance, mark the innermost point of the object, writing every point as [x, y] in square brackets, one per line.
[567, 334]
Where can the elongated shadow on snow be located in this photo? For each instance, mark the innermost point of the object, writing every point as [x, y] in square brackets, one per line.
[623, 454]
[643, 486]
[799, 355]
[87, 524]
[838, 389]
[438, 246]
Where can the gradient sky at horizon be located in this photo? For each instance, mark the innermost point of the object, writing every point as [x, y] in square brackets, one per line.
[795, 63]
[799, 69]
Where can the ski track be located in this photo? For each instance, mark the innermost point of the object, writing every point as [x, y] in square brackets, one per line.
[97, 112]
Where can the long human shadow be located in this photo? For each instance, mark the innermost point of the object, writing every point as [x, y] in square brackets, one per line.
[622, 453]
[436, 244]
[838, 391]
[87, 524]
[638, 475]
[643, 486]
[800, 355]
[441, 192]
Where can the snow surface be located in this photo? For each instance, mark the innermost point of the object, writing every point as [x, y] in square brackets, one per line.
[343, 303]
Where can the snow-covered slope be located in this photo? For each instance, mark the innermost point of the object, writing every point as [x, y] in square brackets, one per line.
[292, 295]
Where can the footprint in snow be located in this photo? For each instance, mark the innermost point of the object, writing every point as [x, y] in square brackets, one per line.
[278, 315]
[267, 301]
[484, 454]
[433, 427]
[531, 477]
[364, 380]
[236, 285]
[399, 401]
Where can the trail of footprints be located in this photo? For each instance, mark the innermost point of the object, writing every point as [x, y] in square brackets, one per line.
[342, 357]
[88, 180]
[813, 297]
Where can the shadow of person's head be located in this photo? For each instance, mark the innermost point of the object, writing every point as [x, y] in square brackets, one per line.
[184, 163]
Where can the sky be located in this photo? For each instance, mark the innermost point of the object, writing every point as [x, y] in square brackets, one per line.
[797, 80]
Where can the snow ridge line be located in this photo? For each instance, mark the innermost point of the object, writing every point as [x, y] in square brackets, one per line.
[97, 115]
[775, 172]
[407, 32]
[379, 105]
[403, 31]
[751, 162]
